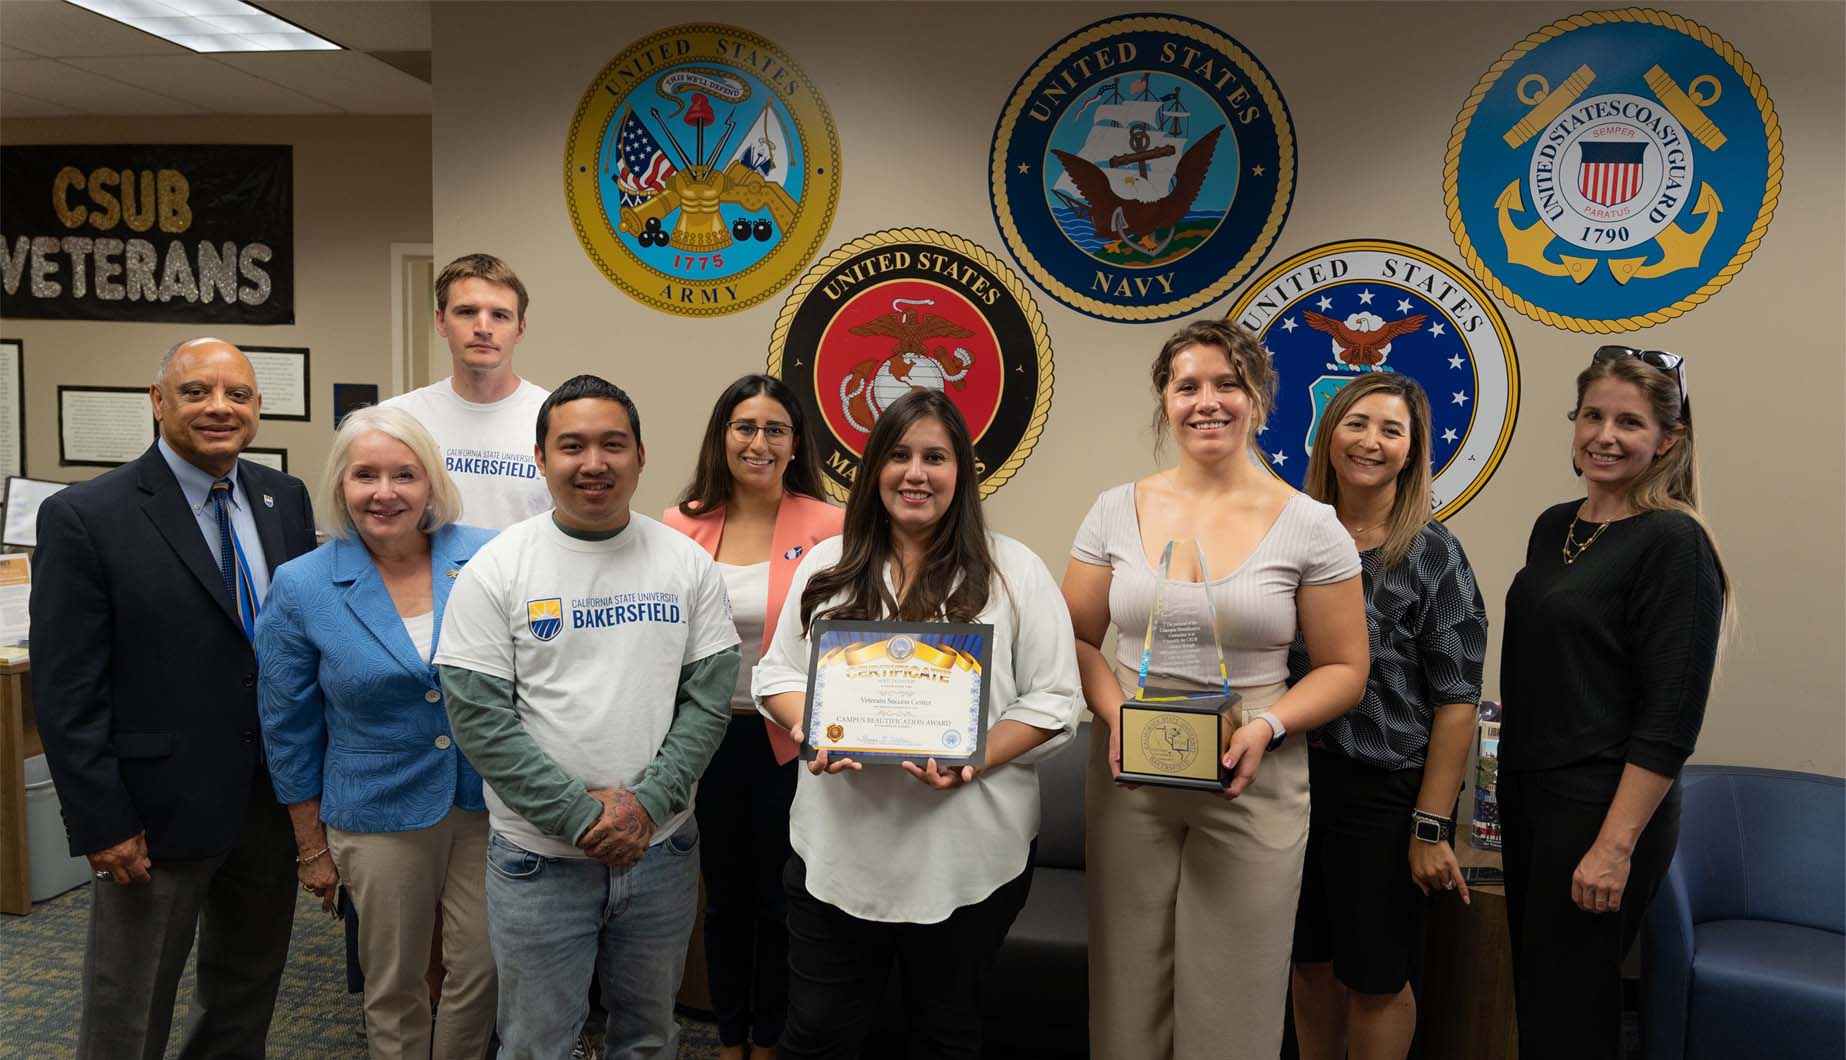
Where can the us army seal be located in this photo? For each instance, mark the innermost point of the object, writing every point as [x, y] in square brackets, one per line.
[701, 170]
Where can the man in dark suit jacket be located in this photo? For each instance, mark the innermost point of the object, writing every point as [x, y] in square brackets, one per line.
[145, 688]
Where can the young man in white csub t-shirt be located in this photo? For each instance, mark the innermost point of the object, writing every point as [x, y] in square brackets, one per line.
[481, 416]
[588, 654]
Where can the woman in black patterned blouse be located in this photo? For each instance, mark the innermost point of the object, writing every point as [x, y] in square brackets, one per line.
[1612, 635]
[1384, 776]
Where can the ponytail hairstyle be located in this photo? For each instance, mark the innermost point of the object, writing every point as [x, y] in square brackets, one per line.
[1671, 482]
[957, 572]
[1411, 510]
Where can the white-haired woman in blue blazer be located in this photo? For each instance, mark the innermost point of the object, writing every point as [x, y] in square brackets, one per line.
[358, 739]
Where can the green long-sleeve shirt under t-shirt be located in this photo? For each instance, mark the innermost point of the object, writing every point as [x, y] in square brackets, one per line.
[671, 600]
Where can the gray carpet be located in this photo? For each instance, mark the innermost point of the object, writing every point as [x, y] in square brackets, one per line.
[41, 983]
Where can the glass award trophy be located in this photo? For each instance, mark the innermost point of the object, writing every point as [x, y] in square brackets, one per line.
[1178, 726]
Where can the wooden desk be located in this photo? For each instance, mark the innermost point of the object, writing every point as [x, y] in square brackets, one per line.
[1466, 1010]
[19, 740]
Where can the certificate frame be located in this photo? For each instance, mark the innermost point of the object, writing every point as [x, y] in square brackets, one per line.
[960, 651]
[276, 458]
[282, 376]
[134, 404]
[13, 405]
[23, 497]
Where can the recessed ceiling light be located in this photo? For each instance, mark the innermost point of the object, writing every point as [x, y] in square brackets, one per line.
[210, 25]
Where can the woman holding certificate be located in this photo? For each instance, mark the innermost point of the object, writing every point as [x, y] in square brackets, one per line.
[1385, 776]
[1192, 894]
[1612, 635]
[915, 859]
[754, 504]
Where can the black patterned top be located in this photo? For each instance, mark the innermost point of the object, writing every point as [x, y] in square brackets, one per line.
[1429, 642]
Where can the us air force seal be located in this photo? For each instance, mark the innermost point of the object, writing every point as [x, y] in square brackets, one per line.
[1613, 170]
[1331, 313]
[908, 309]
[1142, 167]
[701, 170]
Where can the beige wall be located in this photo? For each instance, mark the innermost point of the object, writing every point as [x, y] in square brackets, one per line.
[915, 91]
[361, 184]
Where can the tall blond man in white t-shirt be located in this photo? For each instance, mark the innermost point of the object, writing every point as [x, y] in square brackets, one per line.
[482, 416]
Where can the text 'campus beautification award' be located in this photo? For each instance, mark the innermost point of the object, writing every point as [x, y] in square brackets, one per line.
[898, 691]
[1178, 725]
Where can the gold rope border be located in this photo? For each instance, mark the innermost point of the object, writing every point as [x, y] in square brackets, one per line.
[1278, 209]
[608, 269]
[1449, 270]
[1647, 16]
[1022, 296]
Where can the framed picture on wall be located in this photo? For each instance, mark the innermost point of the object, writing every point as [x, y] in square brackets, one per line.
[23, 496]
[103, 426]
[350, 396]
[275, 458]
[12, 408]
[282, 376]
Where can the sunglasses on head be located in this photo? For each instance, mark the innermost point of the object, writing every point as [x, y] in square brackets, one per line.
[1671, 363]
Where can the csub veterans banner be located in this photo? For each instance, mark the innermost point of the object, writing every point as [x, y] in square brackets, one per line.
[172, 233]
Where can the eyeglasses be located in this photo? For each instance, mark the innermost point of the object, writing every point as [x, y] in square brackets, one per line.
[774, 433]
[1671, 363]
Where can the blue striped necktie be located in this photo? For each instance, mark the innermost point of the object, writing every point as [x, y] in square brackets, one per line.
[232, 566]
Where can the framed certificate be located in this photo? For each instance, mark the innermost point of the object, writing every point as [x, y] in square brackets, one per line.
[282, 376]
[898, 691]
[103, 426]
[276, 458]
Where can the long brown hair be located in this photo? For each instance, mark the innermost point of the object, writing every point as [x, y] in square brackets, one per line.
[710, 487]
[1255, 374]
[958, 569]
[1671, 482]
[1410, 509]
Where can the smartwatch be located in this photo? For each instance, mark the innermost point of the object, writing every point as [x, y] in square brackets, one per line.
[1427, 827]
[1275, 726]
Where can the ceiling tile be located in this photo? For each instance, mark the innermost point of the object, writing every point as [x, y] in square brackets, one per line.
[205, 82]
[60, 30]
[350, 81]
[7, 52]
[85, 92]
[400, 25]
[14, 105]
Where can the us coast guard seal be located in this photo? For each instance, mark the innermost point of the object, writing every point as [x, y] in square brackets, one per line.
[909, 309]
[1142, 167]
[701, 170]
[1332, 313]
[1613, 170]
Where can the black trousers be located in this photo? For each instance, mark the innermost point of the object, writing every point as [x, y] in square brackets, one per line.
[839, 966]
[1567, 964]
[742, 808]
[241, 907]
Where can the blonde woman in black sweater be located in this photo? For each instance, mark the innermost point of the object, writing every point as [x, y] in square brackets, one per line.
[1612, 634]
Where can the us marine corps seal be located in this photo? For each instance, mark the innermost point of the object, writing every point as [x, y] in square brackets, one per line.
[701, 169]
[1142, 167]
[1329, 314]
[909, 309]
[1613, 170]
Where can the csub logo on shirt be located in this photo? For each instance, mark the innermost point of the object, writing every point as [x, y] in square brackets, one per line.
[545, 618]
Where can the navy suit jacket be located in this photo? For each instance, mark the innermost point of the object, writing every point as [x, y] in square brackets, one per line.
[142, 680]
[352, 714]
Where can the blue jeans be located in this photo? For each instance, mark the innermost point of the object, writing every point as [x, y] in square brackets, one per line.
[555, 920]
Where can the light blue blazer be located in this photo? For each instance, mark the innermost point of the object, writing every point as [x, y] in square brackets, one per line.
[351, 713]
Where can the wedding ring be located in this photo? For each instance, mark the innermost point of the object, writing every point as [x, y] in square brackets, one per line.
[1449, 886]
[102, 876]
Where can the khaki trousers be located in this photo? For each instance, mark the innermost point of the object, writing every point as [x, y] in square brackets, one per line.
[1192, 907]
[397, 881]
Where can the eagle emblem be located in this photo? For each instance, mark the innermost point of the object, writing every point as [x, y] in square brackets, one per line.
[873, 384]
[1363, 340]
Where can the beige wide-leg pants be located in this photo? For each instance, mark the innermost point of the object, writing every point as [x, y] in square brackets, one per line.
[397, 880]
[1192, 907]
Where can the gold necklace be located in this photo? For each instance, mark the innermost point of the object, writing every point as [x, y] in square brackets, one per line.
[1571, 549]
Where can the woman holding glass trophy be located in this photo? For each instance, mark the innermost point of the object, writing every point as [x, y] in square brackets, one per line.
[925, 664]
[1207, 570]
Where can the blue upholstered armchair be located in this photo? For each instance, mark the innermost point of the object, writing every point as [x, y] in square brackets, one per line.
[1745, 946]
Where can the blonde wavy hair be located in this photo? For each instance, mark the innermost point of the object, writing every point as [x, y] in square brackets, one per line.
[445, 503]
